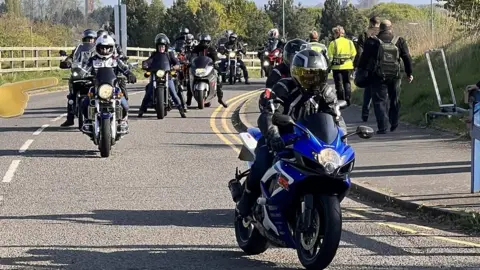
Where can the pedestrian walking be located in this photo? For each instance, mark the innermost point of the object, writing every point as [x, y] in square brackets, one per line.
[373, 29]
[341, 52]
[381, 58]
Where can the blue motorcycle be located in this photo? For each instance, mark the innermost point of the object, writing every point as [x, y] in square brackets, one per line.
[299, 205]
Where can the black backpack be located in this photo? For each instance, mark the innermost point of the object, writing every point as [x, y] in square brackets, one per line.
[387, 65]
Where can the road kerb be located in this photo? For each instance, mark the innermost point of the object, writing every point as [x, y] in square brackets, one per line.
[462, 218]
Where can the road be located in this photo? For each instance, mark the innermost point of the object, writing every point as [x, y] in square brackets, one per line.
[161, 201]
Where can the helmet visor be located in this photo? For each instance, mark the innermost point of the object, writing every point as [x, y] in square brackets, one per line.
[310, 79]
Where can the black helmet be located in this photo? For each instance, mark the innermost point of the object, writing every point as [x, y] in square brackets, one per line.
[89, 34]
[291, 48]
[101, 32]
[205, 39]
[162, 39]
[310, 70]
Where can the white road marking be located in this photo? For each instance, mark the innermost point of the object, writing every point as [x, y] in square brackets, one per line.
[25, 146]
[58, 117]
[40, 129]
[11, 171]
[136, 93]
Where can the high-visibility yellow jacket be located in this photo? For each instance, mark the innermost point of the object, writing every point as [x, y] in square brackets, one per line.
[317, 46]
[341, 50]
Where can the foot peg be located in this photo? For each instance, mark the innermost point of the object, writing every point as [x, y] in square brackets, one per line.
[87, 128]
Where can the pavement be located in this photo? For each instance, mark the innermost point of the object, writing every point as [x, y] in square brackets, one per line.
[161, 201]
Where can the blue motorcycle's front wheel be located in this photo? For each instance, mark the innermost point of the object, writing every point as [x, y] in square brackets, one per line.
[317, 246]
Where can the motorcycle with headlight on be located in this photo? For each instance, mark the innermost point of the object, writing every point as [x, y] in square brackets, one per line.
[80, 83]
[105, 110]
[232, 69]
[299, 205]
[273, 56]
[203, 79]
[161, 100]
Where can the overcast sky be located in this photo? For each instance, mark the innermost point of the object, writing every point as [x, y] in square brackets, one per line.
[304, 2]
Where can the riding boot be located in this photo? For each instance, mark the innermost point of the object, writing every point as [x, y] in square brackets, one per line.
[182, 111]
[220, 97]
[70, 120]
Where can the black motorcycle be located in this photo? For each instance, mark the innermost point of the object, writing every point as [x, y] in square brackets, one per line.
[80, 82]
[161, 100]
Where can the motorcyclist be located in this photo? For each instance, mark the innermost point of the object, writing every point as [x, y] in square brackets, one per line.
[271, 44]
[223, 40]
[307, 92]
[105, 57]
[283, 70]
[180, 39]
[88, 41]
[121, 82]
[184, 50]
[161, 57]
[274, 35]
[235, 46]
[204, 48]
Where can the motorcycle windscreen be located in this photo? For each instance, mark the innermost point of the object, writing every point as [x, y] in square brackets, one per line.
[160, 62]
[322, 125]
[105, 75]
[201, 62]
[82, 54]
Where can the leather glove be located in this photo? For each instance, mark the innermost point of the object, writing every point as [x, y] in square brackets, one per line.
[131, 78]
[275, 142]
[216, 66]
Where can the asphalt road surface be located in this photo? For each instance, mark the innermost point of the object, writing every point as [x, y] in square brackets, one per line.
[160, 201]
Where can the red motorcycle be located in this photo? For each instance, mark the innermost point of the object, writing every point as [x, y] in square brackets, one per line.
[272, 57]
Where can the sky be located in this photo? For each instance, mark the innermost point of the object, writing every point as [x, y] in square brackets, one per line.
[304, 2]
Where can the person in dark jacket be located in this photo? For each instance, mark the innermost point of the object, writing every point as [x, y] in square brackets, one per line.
[382, 88]
[234, 45]
[204, 48]
[283, 70]
[372, 30]
[305, 93]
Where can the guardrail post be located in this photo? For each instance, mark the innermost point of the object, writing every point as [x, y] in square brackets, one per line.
[49, 62]
[11, 62]
[1, 62]
[475, 134]
[23, 56]
[36, 61]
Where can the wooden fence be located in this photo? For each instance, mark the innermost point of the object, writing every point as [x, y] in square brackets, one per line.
[24, 59]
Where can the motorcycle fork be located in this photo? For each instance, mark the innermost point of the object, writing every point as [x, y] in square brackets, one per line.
[306, 214]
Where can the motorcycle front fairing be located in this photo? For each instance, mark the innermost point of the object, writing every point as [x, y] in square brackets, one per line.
[294, 172]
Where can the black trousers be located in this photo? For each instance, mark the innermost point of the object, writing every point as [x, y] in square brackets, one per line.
[386, 97]
[342, 84]
[367, 101]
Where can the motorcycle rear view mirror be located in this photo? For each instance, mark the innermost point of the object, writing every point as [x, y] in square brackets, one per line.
[364, 132]
[282, 120]
[342, 104]
[62, 53]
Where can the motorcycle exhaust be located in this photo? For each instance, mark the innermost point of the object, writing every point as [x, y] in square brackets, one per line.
[236, 189]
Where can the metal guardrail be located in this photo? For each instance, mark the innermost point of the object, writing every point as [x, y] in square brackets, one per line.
[24, 59]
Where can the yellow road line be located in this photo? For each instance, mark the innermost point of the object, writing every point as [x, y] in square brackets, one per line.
[235, 100]
[213, 117]
[224, 117]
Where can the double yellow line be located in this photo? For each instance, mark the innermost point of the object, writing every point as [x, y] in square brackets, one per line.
[226, 115]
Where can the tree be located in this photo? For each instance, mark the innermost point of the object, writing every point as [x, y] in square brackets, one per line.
[179, 16]
[72, 17]
[14, 7]
[305, 20]
[330, 17]
[3, 8]
[274, 9]
[352, 21]
[156, 16]
[257, 26]
[101, 16]
[137, 19]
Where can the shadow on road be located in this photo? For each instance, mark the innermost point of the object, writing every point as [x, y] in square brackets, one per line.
[151, 257]
[33, 129]
[50, 110]
[51, 153]
[222, 218]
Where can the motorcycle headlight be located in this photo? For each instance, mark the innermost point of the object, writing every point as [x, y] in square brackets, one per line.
[231, 54]
[200, 72]
[219, 55]
[266, 53]
[329, 159]
[105, 91]
[75, 74]
[160, 73]
[276, 53]
[266, 63]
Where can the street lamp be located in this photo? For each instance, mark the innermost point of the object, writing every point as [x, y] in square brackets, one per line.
[283, 18]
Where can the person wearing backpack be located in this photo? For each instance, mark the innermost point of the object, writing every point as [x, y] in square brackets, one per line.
[341, 53]
[372, 30]
[381, 59]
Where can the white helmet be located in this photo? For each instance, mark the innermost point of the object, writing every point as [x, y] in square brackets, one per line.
[227, 33]
[273, 33]
[105, 46]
